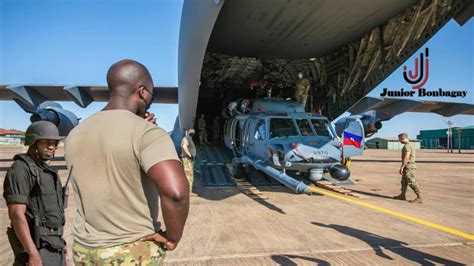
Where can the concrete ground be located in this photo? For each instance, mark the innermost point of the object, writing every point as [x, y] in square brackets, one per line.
[226, 227]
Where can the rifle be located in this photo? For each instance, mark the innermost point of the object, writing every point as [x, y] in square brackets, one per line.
[65, 189]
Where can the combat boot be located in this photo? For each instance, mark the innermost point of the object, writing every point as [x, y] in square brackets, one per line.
[400, 197]
[418, 199]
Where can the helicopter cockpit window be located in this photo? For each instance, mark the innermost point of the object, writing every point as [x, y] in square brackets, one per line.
[321, 127]
[304, 126]
[260, 130]
[282, 127]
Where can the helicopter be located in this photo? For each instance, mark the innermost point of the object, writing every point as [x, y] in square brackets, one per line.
[277, 137]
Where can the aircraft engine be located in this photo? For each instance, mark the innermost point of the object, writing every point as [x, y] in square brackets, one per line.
[53, 112]
[371, 125]
[339, 172]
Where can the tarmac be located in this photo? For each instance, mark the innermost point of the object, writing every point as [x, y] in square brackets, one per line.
[277, 227]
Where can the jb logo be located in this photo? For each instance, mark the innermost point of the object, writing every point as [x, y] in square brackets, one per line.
[419, 78]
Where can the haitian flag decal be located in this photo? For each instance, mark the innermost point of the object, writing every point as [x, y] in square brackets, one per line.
[352, 140]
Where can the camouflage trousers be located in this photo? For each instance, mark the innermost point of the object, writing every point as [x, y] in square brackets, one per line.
[301, 96]
[136, 253]
[189, 171]
[408, 179]
[203, 137]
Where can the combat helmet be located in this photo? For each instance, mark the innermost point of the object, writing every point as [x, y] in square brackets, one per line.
[41, 130]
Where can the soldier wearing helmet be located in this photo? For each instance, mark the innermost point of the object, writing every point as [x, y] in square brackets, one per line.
[33, 192]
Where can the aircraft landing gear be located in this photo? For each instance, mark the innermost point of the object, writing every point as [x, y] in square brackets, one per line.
[347, 161]
[239, 171]
[255, 174]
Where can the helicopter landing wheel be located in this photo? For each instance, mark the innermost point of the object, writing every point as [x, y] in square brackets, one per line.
[239, 172]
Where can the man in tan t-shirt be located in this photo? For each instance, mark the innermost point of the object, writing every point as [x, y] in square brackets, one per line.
[121, 163]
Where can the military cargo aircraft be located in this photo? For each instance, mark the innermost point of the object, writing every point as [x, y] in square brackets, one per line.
[344, 48]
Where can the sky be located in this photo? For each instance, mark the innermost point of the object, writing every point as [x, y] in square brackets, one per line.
[450, 68]
[75, 41]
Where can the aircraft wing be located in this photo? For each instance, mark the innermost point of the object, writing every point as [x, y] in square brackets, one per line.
[387, 108]
[81, 95]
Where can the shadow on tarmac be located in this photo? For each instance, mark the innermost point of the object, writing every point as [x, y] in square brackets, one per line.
[286, 260]
[223, 193]
[371, 194]
[266, 204]
[379, 243]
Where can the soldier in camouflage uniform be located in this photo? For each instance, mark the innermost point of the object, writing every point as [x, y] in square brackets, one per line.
[188, 155]
[407, 169]
[302, 89]
[202, 127]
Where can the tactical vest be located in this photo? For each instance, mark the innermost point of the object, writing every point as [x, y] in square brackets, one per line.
[45, 211]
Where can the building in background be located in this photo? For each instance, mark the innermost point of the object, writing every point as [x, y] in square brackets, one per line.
[438, 138]
[389, 143]
[11, 137]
